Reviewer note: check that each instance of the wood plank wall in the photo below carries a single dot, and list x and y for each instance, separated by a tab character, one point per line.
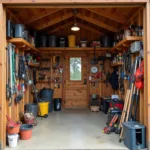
101	88
2	77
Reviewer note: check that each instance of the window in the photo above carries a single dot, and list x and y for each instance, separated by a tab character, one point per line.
75	68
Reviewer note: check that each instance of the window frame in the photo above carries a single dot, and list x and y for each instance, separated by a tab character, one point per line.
81	69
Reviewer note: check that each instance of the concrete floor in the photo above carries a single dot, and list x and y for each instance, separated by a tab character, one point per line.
71	129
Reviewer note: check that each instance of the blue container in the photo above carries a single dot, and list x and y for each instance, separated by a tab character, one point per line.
134	135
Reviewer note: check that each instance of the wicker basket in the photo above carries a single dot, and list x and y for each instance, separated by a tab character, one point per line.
94	108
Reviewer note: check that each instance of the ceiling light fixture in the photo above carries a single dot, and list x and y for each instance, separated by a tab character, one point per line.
75	27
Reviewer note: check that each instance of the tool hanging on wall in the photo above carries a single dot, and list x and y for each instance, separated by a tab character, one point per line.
19	93
55	61
139	76
94	60
127	61
34	76
10	87
56	82
121	81
61	72
8	92
22	69
16	64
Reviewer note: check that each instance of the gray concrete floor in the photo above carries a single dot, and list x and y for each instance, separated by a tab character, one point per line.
71	129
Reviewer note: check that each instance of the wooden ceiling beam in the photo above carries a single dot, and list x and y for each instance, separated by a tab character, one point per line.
97	23
13	16
42	15
60	27
89	28
129	19
108	15
54	21
89	4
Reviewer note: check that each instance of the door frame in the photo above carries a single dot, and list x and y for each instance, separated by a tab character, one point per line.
68	55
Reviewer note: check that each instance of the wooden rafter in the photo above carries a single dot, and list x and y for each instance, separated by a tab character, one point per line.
136	13
108	15
13	16
54	21
87	27
96	22
60	27
90	28
42	15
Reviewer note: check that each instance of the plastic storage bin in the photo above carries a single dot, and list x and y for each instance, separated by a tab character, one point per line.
134	135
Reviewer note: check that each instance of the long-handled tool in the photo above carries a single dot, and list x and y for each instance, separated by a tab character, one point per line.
8	94
132	103
136	103
10	87
129	100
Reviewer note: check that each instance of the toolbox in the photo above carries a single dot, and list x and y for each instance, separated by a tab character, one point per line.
117	103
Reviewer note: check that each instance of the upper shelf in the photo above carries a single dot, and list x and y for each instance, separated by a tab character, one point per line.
117	64
21	43
126	42
73	49
33	64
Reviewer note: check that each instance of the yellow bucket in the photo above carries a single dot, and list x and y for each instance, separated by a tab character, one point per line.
71	40
43	108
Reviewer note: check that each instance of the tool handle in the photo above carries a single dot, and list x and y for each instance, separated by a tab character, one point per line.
136	104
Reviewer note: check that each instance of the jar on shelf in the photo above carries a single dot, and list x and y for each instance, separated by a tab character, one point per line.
127	32
140	31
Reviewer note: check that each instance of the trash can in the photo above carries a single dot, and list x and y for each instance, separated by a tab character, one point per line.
43	108
57	104
47	94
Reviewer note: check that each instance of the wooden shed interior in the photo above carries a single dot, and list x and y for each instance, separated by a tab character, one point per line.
95	23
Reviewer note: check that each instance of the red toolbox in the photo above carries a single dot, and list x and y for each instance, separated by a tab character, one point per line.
116	104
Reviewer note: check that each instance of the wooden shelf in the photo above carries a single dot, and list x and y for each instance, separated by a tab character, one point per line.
43	82
97	80
33	64
48	82
73	49
117	64
126	42
21	43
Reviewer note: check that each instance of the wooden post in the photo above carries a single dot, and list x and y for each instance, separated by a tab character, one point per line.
146	100
2	77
